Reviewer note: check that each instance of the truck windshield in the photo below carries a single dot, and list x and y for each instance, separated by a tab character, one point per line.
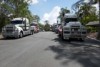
17	22
33	24
70	19
67	20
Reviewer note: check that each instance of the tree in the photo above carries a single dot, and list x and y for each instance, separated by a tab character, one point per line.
41	26
63	12
36	18
85	11
14	8
5	10
47	26
98	37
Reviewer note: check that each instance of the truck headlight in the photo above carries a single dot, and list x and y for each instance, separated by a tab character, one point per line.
16	29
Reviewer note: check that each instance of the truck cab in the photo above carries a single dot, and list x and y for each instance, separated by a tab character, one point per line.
72	28
18	28
35	27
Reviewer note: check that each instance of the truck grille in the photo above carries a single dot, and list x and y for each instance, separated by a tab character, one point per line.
83	32
9	29
66	32
75	30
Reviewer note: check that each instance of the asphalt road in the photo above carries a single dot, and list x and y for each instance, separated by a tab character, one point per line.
46	49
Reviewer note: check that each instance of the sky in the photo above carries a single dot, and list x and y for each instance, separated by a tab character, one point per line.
49	9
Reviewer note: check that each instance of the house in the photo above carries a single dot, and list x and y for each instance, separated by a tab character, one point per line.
93	24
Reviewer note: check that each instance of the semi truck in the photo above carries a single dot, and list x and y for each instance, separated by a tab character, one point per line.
72	28
17	28
35	27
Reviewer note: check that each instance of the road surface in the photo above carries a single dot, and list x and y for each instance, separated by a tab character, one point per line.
46	49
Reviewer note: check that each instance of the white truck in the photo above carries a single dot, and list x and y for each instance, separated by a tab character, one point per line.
18	28
72	28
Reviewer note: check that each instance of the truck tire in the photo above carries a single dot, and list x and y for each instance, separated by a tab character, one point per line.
81	39
31	32
17	37
21	35
5	37
62	37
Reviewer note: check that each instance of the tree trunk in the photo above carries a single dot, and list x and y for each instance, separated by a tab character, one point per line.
98	37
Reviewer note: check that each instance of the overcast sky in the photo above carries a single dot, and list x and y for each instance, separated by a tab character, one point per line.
49	9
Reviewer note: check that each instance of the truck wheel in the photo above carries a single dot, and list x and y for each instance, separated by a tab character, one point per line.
31	32
81	39
17	37
69	40
5	37
21	35
62	38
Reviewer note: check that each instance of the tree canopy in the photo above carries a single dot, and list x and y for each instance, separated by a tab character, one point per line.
85	11
14	8
63	12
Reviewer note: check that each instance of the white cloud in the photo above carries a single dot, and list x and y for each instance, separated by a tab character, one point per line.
52	16
97	6
46	17
87	1
34	2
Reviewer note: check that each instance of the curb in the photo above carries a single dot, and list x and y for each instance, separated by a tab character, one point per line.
93	39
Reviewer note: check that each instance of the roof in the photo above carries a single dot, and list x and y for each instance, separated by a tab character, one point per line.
93	23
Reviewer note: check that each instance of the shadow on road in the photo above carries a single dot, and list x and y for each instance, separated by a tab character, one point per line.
7	39
86	53
13	38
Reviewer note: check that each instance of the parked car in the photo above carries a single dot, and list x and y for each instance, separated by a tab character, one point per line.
60	30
